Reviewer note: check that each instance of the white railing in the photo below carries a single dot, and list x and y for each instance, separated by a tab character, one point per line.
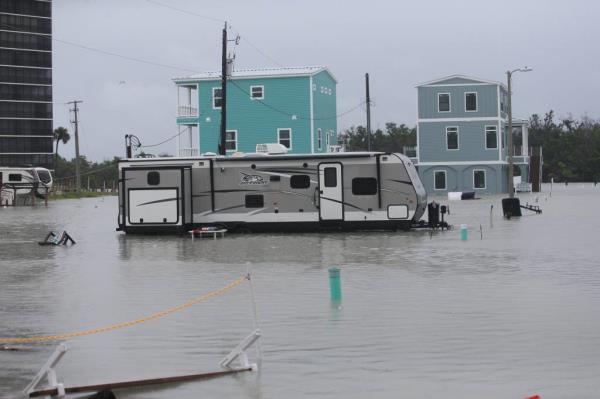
187	111
410	151
188	152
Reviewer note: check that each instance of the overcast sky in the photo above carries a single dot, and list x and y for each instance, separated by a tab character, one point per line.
399	43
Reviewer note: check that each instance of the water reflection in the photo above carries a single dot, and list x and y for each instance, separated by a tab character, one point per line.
423	314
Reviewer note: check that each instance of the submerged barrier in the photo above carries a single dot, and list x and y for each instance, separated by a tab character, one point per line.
154	316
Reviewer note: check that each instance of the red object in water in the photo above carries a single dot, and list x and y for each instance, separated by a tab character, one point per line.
534	397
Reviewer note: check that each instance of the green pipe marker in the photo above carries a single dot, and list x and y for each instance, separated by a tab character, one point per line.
335	285
464	232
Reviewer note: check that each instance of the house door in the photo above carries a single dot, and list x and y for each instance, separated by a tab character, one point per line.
331	205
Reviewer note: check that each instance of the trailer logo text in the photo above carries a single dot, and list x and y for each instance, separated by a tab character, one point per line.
253	180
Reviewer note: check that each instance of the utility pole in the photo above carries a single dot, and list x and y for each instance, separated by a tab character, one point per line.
368	113
75	121
222	150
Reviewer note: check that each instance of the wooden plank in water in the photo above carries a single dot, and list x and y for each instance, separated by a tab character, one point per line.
135	383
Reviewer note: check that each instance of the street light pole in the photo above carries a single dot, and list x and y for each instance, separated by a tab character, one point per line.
511	189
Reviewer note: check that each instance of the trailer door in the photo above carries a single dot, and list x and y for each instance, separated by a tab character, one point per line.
331	197
157	195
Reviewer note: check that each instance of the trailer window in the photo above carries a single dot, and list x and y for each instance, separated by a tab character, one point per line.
300	181
364	186
15	177
330	177
44	176
153	178
255	201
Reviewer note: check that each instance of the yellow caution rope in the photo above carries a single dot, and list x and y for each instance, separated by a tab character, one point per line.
118	326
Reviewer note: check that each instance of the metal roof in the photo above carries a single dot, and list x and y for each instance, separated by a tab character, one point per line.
258	73
439	81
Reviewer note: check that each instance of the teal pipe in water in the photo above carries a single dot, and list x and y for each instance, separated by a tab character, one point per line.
464	232
335	285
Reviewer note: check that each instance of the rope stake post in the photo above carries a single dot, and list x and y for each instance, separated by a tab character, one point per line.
56	389
239	352
48	370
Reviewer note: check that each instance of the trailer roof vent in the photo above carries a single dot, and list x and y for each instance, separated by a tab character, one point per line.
271	149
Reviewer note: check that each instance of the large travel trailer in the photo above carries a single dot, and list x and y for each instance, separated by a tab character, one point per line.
260	192
24	181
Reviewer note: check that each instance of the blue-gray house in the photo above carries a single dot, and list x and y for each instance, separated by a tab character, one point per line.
461	136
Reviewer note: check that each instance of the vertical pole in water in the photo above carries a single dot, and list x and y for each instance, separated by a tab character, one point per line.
464	233
335	286
491	217
254	313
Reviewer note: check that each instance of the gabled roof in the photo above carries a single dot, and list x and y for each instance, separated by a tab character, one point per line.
258	73
457	80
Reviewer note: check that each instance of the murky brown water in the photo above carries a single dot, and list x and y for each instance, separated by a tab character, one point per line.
509	315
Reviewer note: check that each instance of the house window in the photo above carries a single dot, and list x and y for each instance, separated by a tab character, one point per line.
439	180
284	136
217	97
491	137
443	102
470	102
364	186
452	138
257	92
299	181
479	178
153	178
231	140
319	138
255	201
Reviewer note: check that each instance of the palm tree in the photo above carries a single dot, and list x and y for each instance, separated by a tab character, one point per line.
60	134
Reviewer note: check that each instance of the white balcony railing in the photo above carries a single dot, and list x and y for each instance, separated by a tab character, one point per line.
187	111
188	152
410	151
336	148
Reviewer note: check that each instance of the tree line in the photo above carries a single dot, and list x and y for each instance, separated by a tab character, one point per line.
571	150
570	147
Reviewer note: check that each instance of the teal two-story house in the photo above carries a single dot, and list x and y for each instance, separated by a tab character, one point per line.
462	139
295	107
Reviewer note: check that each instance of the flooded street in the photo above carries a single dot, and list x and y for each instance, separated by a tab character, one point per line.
508	315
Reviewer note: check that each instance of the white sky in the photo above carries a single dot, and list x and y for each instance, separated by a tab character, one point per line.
399	43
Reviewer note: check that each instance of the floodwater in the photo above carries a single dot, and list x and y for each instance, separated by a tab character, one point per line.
512	312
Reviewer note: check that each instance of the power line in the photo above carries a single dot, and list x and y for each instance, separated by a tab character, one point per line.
181	10
294	115
186	11
259	50
164	141
122	56
97	50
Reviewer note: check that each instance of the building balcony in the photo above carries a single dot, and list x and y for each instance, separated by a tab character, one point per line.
188	152
519	156
187	111
410	151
